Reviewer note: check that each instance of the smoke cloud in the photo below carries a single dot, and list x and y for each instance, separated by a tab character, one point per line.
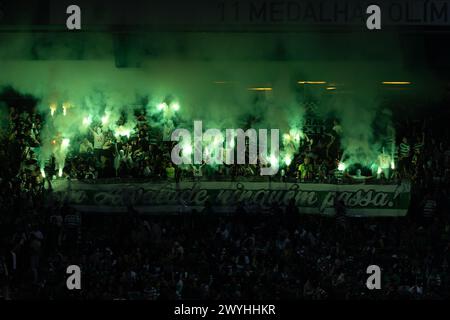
211	76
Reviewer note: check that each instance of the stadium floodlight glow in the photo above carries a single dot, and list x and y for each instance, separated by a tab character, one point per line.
260	89
162	106
396	82
175	106
341	166
311	82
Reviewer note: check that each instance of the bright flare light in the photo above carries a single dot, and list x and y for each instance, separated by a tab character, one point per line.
187	150
392	165
105	119
296	134
341	166
379	170
162	106
286	137
273	161
175	106
87	121
60	172
287	160
122	132
52	109
65	143
42	172
64	107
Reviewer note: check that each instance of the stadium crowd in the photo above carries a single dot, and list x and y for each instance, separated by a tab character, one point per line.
144	153
281	255
237	256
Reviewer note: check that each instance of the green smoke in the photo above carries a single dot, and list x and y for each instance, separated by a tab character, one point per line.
207	76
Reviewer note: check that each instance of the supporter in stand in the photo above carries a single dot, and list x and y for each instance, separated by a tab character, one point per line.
212	256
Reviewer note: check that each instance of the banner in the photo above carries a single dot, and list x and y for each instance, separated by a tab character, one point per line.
167	197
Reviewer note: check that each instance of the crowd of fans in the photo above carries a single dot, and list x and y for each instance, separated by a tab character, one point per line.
281	255
241	255
145	152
